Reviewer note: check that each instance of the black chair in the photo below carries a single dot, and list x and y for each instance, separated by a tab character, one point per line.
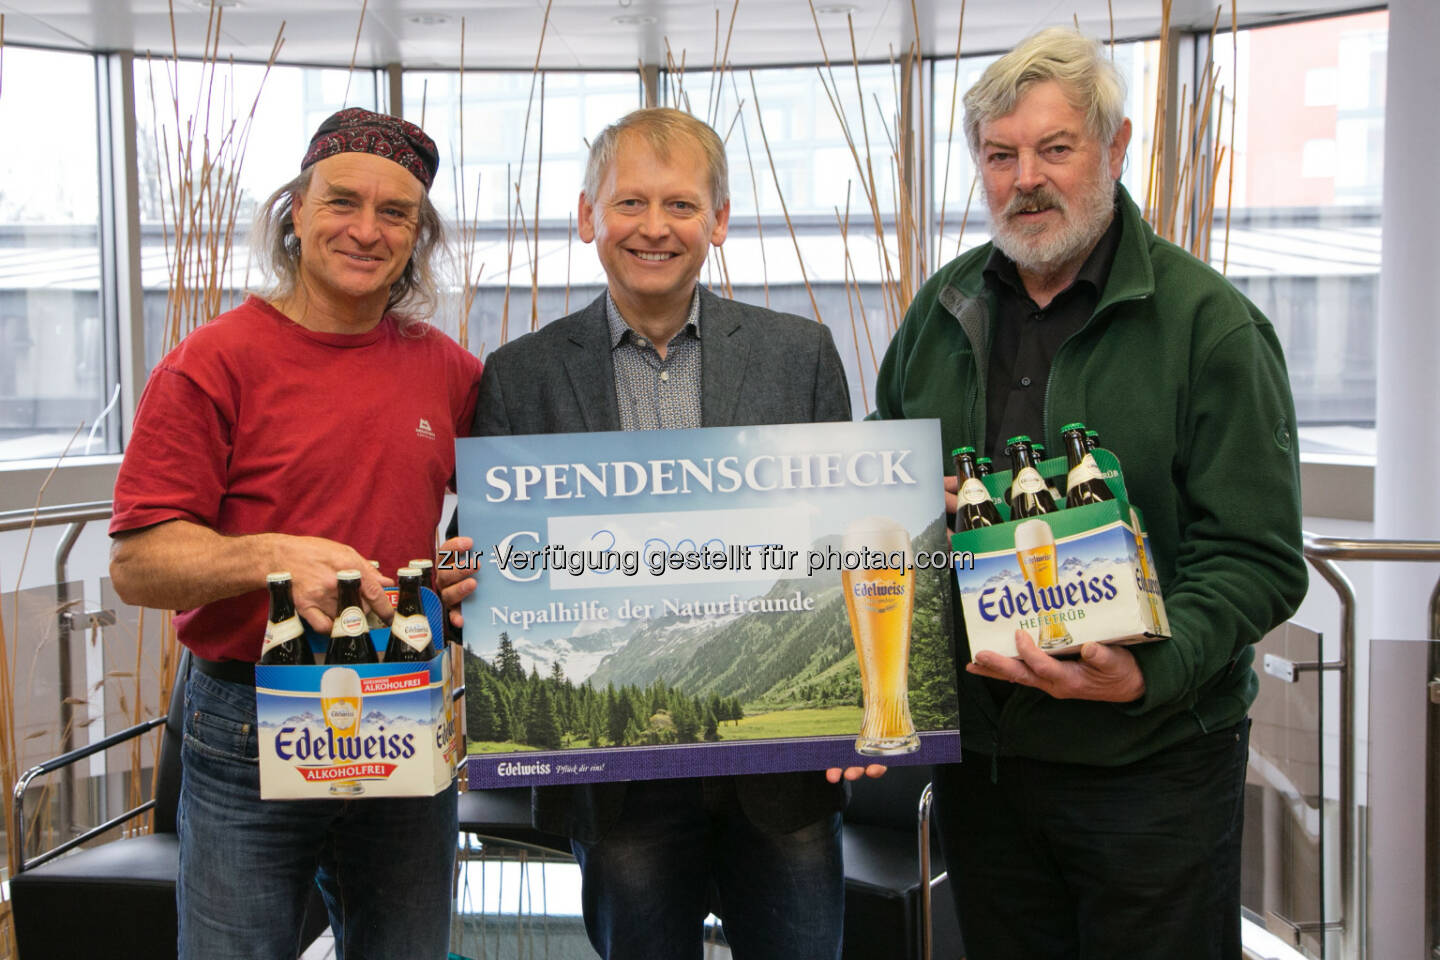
503	816
896	906
116	899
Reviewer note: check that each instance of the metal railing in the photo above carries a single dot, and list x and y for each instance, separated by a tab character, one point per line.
76	515
1322	553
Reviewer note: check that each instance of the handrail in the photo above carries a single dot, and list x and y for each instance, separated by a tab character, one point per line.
922	834
51	515
1322	552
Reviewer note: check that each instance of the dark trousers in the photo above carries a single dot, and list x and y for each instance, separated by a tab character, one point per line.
1054	860
646	884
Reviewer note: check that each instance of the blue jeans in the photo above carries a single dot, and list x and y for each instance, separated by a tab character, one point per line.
1057	860
646	884
384	866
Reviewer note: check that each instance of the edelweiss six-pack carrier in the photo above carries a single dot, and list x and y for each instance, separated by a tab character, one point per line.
357	730
1071	577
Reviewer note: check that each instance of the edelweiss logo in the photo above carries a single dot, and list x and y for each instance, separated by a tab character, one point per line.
424	430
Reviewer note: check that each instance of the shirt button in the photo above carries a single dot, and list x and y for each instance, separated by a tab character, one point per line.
1024	381
641	342
1035	315
664	374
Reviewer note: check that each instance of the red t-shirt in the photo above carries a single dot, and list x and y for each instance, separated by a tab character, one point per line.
255	424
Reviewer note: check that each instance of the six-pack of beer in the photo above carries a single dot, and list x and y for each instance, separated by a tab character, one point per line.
1055	548
337	720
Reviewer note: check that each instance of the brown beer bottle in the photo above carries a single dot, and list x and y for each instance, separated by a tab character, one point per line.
410	636
983	467
1092	440
1029	496
1083	484
350	634
285	644
976	508
427	574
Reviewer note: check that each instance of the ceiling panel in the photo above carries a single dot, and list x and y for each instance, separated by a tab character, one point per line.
597	34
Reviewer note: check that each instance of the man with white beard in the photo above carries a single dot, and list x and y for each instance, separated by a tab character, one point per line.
1097	811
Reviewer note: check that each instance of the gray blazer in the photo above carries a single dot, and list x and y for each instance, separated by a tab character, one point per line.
757	367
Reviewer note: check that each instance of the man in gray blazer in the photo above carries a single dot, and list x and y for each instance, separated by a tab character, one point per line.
658	351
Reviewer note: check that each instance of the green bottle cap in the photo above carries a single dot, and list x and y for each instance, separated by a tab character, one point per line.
959	450
1072	426
1022	438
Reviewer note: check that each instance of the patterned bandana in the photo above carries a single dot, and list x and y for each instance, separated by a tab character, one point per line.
354	130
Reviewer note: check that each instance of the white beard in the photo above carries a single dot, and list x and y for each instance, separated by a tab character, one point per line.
1043	249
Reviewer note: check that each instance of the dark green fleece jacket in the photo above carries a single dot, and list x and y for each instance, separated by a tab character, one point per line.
1185	382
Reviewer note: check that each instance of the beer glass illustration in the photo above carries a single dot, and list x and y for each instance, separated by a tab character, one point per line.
1035	549
880	604
340	703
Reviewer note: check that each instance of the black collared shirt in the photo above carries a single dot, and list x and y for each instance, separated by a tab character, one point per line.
1026	338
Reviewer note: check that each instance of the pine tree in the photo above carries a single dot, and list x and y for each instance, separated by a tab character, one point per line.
617	716
542	730
481	715
712	726
508	660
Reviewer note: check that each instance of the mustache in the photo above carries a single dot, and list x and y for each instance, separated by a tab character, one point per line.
1037	199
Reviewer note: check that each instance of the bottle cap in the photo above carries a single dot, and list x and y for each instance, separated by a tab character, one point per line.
280	577
347	575
959	450
1072	426
407	572
422	564
1022	438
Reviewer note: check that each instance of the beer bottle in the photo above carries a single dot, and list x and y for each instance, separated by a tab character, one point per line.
410	637
1083	484
372	619
285	644
1092	440
427	574
1038	450
976	508
350	636
1029	496
984	466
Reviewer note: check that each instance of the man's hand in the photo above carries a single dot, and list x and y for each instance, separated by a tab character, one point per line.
952	496
1102	673
455	582
313	563
855	773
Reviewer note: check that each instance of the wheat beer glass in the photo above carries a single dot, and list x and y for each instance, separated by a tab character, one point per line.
1035	549
880	603
340	703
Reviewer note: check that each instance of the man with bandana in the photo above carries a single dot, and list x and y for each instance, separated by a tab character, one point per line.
1097	810
311	429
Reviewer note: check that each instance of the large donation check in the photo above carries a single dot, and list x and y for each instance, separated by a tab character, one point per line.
698	602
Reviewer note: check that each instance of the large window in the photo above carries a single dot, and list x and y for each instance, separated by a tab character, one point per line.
1300	234
523	271
57	352
810	142
202	100
1304	230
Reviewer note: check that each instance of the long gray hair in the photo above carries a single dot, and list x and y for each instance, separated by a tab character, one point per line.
413	297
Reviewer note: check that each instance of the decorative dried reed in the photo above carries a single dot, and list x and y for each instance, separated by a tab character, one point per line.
10	757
